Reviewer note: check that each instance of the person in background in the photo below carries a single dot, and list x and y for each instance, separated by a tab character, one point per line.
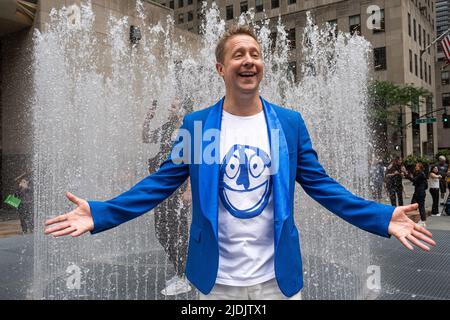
25	212
435	179
443	168
171	216
394	186
420	183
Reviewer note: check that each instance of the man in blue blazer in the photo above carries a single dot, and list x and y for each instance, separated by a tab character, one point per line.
243	156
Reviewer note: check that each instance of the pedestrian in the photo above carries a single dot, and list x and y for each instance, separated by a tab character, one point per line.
243	156
443	168
24	210
394	186
435	178
171	216
420	183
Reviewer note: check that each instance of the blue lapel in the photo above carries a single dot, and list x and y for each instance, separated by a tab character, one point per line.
209	173
280	191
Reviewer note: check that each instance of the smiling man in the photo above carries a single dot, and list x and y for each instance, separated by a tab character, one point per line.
243	240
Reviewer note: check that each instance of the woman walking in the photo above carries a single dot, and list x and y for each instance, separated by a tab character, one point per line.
435	178
420	183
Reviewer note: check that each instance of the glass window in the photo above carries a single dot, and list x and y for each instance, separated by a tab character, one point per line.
446	99
414	30
409	24
181	18
380	58
275	4
230	14
444	78
190	16
259	5
190	2
172	4
416	71
292	1
410	62
355	24
244	6
180	3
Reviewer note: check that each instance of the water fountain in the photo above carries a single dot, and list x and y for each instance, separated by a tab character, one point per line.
91	97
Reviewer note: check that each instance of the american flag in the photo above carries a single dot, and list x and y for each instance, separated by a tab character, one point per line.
445	44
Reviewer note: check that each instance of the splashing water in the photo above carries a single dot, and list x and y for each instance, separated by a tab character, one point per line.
90	101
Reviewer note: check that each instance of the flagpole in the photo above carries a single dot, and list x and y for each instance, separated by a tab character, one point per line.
434	41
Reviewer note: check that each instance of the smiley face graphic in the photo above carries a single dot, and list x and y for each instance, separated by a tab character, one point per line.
245	182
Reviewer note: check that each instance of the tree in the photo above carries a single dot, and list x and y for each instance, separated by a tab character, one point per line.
386	100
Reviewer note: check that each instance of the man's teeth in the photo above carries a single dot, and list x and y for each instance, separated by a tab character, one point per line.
246	74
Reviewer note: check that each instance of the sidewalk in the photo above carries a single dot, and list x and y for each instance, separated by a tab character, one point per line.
416	275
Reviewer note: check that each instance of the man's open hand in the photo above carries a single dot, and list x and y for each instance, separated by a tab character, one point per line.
406	230
75	222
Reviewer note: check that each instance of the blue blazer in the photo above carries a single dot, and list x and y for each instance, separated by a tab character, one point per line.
297	162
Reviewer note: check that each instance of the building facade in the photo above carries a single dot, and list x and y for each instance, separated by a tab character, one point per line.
442	74
406	27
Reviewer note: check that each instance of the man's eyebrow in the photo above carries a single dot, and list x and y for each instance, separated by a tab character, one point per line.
240	49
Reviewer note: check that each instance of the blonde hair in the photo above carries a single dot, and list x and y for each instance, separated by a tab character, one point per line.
232	31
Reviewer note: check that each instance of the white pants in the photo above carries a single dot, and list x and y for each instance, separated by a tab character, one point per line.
268	290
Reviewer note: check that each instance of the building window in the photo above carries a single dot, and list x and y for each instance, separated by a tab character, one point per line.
409	24
414	30
379	58
259	5
180	3
172	4
420	37
230	14
190	2
355	24
425	71
181	18
429	74
444	78
291	38
446	99
382	26
275	4
244	6
424	39
190	16
428	43
421	74
292	1
415	65
410	62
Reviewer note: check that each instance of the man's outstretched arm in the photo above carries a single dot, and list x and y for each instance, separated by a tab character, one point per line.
380	219
97	216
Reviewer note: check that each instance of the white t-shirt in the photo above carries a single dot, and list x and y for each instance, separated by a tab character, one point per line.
245	221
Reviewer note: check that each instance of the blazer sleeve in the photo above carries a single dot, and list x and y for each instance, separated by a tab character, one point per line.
143	196
367	215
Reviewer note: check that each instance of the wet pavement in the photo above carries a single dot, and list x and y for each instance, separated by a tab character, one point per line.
404	274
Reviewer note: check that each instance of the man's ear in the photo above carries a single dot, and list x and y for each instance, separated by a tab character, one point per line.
219	68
